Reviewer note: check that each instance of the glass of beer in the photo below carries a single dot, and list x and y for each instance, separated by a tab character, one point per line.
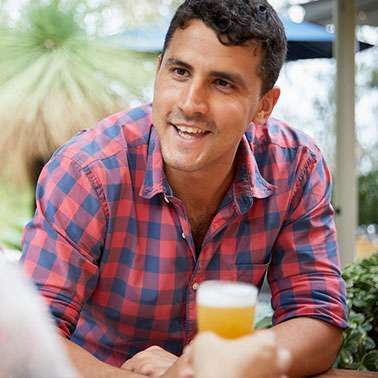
226	308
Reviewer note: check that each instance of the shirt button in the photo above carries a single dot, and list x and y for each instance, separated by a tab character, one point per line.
183	236
166	199
195	286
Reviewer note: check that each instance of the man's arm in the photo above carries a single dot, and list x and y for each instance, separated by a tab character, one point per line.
308	292
152	362
313	344
89	366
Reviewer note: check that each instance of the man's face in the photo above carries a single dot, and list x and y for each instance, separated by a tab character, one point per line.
205	96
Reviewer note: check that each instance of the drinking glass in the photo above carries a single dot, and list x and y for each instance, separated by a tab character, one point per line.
226	308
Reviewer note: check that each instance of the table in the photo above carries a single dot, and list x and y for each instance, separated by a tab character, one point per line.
341	373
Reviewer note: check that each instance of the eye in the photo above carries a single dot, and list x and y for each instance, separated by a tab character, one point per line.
223	83
180	71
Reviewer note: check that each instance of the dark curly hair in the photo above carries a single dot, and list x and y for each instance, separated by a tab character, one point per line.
239	22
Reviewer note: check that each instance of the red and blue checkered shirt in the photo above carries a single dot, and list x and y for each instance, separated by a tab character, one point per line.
110	246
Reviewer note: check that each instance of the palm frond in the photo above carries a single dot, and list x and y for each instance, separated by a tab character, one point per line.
55	81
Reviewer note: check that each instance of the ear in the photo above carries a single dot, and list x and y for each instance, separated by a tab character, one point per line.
159	63
266	106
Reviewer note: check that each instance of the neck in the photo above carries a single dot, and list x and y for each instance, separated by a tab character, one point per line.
201	188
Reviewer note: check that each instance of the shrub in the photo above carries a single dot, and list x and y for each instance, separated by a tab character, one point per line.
358	351
368	198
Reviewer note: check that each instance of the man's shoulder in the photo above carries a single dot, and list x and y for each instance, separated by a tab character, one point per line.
278	133
118	132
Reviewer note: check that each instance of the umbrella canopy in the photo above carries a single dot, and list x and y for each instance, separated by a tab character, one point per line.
321	12
305	40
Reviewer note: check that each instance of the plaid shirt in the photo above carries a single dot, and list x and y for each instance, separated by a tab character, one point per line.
111	250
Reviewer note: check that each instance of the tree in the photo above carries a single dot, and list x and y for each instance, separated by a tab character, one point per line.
56	79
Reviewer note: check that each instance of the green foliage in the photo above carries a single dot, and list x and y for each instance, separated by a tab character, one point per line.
12	238
265	322
16	211
358	351
374	79
56	79
53	21
368	198
264	313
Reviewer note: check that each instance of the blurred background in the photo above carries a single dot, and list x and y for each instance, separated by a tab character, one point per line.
63	67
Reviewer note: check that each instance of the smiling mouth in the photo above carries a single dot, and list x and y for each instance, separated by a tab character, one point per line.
190	132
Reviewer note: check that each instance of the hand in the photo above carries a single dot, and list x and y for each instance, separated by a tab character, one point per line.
152	362
252	356
180	369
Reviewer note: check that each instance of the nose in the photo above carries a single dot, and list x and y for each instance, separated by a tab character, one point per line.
194	98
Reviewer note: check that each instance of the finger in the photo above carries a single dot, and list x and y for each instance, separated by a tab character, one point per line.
180	369
128	365
185	370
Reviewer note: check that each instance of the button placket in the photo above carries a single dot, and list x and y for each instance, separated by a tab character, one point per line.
185	228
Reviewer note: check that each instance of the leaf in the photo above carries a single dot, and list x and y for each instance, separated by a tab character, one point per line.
367	326
353	347
355	336
359	303
345	358
368	342
356	317
370	360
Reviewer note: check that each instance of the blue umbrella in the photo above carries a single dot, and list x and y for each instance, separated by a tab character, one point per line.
305	40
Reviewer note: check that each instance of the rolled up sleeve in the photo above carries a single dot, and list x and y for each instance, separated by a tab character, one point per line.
304	275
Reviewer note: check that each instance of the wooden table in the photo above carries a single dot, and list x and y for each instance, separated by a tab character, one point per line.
341	373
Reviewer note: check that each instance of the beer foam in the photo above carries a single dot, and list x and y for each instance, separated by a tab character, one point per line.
226	294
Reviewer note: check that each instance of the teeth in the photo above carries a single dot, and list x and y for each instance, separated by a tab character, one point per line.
185	136
191	130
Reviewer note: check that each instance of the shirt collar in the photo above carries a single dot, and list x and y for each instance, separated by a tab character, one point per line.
248	183
154	178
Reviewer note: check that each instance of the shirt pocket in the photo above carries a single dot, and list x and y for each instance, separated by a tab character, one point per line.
249	273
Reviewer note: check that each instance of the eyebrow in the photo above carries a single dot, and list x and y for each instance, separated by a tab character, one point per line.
177	62
233	77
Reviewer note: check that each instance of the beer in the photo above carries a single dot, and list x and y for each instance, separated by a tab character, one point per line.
226	308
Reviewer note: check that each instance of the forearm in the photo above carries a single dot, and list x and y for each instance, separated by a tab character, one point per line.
89	366
313	344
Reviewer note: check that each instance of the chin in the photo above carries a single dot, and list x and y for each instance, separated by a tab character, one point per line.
181	165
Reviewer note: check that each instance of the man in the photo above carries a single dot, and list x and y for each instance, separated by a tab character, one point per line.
133	214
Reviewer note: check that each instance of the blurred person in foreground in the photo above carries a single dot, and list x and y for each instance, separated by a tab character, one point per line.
201	184
29	341
252	356
31	347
